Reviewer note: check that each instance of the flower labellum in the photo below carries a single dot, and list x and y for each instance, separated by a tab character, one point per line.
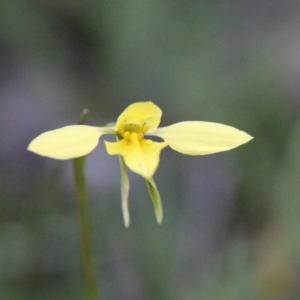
134	146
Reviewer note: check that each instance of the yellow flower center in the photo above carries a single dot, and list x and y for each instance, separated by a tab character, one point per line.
134	133
131	127
128	128
133	137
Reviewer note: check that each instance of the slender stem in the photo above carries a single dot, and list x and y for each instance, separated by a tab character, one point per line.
85	232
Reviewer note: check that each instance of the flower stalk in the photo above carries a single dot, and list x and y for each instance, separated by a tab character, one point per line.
85	228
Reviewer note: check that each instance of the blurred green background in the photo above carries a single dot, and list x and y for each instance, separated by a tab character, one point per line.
232	220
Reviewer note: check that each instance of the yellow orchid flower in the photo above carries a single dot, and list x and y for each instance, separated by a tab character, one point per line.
139	153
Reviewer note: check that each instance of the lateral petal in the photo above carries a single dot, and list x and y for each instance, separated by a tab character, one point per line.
140	113
67	142
156	200
125	187
140	156
199	138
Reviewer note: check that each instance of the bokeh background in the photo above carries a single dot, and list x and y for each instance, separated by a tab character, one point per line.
232	220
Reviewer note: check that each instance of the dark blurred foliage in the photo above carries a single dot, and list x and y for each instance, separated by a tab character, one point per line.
231	220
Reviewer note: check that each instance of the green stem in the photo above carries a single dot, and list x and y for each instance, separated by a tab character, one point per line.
85	232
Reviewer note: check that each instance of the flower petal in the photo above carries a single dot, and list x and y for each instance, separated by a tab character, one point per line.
156	200
140	156
199	138
125	186
140	113
67	142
